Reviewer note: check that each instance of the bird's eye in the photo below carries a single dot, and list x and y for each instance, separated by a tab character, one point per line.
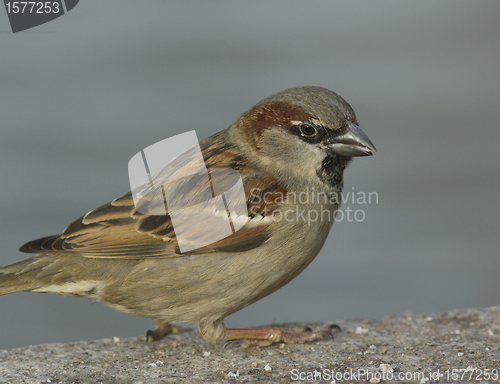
307	130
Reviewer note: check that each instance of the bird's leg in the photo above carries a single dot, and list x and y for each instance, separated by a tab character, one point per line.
163	329
262	337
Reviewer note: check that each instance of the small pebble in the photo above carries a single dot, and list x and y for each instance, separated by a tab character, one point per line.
268	368
234	374
371	349
385	368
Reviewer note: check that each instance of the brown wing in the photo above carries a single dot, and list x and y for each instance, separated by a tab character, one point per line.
118	230
115	229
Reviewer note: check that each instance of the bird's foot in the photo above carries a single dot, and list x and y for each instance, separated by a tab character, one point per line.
163	329
263	337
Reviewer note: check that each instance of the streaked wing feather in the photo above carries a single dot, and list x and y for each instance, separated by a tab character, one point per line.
118	230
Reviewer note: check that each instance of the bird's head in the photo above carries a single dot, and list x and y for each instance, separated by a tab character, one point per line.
305	134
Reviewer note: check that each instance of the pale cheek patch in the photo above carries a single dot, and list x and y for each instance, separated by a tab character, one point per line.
288	153
81	288
312	159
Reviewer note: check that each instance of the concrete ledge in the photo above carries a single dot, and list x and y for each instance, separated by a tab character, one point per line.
415	347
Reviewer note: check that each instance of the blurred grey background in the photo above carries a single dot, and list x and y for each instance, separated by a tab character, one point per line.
81	95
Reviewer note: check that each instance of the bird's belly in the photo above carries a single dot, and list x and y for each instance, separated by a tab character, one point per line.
212	286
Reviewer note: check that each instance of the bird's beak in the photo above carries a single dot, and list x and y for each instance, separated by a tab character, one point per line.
354	142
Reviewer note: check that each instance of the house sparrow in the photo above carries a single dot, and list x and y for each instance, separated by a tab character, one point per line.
300	139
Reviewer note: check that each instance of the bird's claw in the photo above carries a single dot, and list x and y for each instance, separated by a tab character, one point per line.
289	337
163	331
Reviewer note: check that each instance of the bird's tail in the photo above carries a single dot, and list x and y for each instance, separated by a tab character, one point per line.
25	275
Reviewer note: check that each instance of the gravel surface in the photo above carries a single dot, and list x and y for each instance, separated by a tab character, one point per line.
457	346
